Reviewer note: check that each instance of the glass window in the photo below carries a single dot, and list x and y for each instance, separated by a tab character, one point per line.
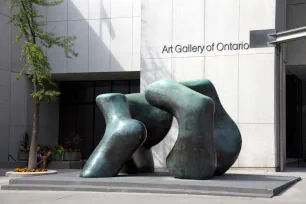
79	113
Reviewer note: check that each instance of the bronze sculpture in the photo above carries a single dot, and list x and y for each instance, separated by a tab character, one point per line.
209	141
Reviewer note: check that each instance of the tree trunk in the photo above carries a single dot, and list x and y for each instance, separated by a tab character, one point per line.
34	140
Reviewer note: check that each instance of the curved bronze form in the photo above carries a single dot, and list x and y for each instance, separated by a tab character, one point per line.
208	144
157	123
123	136
193	155
226	133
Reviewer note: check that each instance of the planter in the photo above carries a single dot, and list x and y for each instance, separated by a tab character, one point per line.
23	156
72	156
29	174
57	157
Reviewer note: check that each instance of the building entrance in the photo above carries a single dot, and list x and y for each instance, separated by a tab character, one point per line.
289	117
79	115
295	137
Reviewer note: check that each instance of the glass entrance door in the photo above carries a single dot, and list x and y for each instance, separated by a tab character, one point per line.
79	114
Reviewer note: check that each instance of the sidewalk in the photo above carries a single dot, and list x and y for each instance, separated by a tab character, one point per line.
296	194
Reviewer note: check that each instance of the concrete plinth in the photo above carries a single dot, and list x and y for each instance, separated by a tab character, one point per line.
227	185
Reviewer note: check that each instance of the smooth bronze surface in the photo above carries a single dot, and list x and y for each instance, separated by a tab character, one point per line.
208	144
226	133
157	123
193	155
123	136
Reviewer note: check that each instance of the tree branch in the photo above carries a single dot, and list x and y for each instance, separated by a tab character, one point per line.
28	21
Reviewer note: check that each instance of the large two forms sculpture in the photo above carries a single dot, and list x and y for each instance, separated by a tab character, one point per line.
208	144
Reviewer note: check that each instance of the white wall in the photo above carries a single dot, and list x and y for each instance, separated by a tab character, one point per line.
108	40
5	84
12	92
243	79
107	31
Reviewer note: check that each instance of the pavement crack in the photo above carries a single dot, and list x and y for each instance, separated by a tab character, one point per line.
64	197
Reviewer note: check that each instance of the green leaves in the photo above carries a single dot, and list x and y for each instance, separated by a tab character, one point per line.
37	68
47	3
66	42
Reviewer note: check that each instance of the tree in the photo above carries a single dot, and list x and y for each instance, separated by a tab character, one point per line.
37	68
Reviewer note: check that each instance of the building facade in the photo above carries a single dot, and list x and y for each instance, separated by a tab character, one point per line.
123	41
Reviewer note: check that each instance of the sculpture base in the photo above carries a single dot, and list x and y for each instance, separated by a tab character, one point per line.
227	185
